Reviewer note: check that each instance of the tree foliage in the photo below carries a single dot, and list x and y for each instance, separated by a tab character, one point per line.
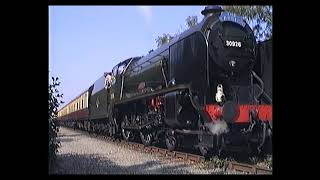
258	17
164	39
191	21
54	103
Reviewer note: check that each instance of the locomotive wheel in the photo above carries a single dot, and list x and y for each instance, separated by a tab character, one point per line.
125	133
171	142
146	138
110	129
205	151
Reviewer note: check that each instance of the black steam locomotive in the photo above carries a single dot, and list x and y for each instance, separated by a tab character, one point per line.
199	90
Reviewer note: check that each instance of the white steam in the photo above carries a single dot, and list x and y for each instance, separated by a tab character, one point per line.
218	127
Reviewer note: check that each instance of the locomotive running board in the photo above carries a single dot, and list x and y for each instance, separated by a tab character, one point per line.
139	127
195	132
178	87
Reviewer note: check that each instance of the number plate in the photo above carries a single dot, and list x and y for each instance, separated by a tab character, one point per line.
233	43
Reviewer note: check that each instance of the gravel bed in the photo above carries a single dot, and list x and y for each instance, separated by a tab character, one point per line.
80	153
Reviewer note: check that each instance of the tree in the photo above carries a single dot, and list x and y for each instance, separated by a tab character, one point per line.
165	38
191	21
54	103
259	17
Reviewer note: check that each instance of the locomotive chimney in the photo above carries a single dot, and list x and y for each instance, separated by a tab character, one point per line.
214	10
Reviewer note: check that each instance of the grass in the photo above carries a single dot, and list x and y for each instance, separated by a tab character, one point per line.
263	162
215	162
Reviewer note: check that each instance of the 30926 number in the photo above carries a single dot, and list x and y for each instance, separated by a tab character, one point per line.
233	43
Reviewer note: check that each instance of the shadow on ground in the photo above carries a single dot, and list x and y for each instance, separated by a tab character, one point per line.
94	164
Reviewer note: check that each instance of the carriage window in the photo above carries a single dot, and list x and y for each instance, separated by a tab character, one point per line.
85	100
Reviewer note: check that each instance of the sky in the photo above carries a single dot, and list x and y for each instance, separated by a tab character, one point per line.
86	41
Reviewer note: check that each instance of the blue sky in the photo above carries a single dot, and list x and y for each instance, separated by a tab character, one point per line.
86	41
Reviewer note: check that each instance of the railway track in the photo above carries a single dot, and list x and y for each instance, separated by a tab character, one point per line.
182	156
247	168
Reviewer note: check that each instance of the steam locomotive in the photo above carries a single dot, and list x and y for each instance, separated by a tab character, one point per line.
199	90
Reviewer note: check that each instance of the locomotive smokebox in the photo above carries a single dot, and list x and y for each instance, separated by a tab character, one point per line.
212	11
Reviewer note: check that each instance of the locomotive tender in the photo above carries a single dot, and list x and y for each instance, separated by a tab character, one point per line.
199	90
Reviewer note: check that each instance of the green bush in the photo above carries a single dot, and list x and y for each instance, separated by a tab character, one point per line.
53	127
